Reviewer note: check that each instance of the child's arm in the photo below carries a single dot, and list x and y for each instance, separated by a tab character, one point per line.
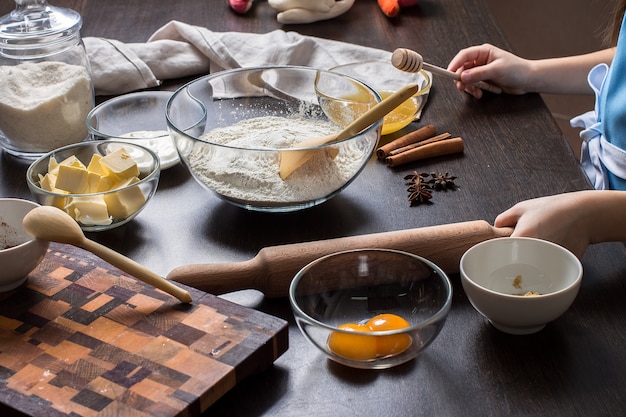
574	220
516	75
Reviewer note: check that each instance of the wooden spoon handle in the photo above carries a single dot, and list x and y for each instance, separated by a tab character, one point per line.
273	268
293	159
137	270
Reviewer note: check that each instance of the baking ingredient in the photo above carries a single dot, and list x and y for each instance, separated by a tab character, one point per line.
158	141
416	136
357	345
361	346
399	117
420	187
390	344
115	171
43	106
251	175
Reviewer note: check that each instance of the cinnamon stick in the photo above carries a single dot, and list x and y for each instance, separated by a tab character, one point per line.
420	143
440	148
418	135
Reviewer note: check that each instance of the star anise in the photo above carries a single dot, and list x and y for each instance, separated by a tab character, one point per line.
419	188
415	178
419	195
442	181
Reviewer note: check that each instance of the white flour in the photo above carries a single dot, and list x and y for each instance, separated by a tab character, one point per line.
43	106
253	176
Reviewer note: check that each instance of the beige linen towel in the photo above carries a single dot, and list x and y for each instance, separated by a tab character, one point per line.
180	50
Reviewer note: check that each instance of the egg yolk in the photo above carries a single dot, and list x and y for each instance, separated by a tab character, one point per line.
358	347
394	343
362	347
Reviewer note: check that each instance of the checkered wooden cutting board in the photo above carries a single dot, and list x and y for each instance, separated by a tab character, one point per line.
81	338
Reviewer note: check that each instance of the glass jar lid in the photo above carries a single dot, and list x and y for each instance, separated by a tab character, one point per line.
35	23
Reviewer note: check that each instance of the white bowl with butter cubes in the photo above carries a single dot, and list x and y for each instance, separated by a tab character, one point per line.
101	184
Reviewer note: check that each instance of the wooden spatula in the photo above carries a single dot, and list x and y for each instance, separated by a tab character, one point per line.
293	159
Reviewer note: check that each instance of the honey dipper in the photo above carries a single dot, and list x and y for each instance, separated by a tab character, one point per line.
410	61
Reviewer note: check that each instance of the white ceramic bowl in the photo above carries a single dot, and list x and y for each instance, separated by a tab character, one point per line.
371	286
20	253
255	116
520	284
138	118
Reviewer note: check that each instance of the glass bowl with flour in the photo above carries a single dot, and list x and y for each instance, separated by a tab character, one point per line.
46	89
254	116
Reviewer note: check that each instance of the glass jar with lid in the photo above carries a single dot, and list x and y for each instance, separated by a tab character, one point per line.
47	88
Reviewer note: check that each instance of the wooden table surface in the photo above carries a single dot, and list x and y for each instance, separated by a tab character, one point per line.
514	151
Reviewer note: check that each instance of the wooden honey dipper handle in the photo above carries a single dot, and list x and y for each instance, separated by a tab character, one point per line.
273	268
410	61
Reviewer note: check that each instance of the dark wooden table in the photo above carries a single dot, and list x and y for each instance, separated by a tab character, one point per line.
514	151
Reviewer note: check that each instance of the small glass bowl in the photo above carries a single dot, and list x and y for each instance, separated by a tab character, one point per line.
387	79
358	285
149	172
137	118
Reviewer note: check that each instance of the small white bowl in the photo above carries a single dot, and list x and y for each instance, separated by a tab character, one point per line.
20	253
503	276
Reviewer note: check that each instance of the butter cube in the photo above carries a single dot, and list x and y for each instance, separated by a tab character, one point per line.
73	179
89	210
72	161
95	166
47	182
99	183
120	164
52	165
123	203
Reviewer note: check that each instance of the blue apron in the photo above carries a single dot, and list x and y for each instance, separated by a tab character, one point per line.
603	152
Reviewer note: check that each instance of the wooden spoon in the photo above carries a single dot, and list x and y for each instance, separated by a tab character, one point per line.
410	61
52	224
292	160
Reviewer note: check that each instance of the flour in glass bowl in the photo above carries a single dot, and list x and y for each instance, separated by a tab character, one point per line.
253	176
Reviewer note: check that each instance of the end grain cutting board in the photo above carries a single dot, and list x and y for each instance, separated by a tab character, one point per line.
81	338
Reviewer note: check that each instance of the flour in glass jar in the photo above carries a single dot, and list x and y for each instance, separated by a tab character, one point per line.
253	176
43	106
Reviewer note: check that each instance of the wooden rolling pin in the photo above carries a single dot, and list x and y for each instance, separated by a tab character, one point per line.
273	268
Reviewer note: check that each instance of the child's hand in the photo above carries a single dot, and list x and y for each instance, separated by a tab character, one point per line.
491	64
561	218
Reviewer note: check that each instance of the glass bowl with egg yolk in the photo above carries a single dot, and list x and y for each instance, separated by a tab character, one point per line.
371	308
